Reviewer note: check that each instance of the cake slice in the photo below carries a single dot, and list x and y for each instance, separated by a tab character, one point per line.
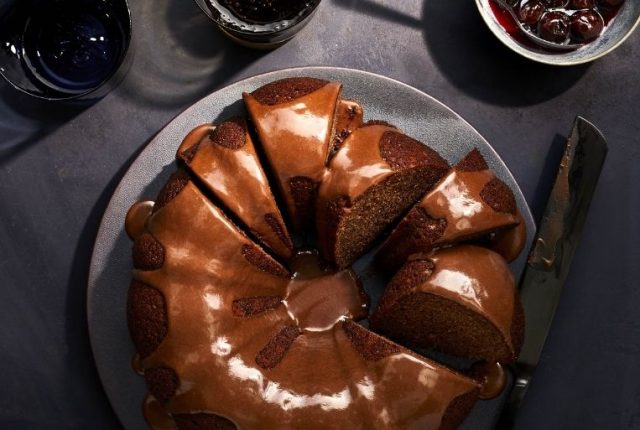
460	301
377	175
294	120
224	159
468	203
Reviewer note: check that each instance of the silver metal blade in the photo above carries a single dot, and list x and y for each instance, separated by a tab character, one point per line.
553	249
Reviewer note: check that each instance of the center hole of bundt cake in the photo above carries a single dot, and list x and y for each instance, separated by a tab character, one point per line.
318	298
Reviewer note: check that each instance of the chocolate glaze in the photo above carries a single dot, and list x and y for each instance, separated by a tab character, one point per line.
156	415
232	172
348	118
214	353
492	378
476	278
457	199
509	242
296	137
357	166
137	216
456	203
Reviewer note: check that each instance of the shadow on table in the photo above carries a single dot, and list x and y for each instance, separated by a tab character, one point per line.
76	318
470	57
473	59
25	120
189	57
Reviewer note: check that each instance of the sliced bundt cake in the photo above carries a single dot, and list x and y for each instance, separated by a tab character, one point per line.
375	177
294	119
224	159
461	301
228	340
468	203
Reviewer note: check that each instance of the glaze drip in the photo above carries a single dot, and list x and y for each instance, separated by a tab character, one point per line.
492	377
457	199
137	217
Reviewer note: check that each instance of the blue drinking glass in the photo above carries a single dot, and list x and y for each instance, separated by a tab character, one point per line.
64	49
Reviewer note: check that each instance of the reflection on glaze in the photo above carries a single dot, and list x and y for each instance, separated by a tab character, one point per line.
236	177
297	121
214	352
478	278
357	166
287	400
458	282
457	200
319	304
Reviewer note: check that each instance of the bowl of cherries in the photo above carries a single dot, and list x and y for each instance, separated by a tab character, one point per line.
561	32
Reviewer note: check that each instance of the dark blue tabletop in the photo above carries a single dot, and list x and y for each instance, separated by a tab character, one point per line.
59	166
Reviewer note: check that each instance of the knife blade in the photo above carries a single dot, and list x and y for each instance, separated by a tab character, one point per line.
552	251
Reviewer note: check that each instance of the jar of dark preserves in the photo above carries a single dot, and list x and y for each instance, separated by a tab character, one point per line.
260	23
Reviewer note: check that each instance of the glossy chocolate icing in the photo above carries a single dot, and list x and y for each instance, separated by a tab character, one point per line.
476	278
296	137
357	166
509	242
457	200
492	377
136	219
320	381
235	176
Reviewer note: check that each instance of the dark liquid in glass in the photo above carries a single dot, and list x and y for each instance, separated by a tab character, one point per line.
264	11
72	46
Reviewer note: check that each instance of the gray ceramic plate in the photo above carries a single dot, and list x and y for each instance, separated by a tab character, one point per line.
418	114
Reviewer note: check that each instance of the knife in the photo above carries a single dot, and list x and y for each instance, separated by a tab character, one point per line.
552	251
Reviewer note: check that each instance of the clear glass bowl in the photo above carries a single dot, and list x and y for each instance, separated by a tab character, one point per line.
23	73
261	36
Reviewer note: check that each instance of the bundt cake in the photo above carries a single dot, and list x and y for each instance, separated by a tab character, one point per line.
228	337
461	301
375	177
224	159
468	203
218	323
294	119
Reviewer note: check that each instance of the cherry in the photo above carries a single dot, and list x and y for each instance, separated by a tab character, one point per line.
583	4
555	3
586	25
531	12
554	26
